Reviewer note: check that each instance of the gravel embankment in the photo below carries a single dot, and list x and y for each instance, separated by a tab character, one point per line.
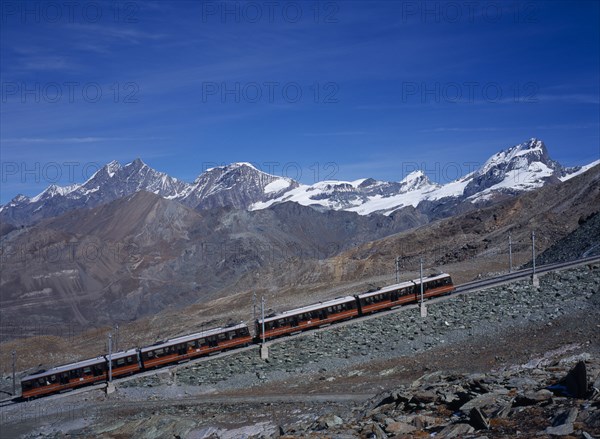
452	321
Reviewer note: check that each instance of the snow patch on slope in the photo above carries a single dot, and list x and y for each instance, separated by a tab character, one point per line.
580	171
277	186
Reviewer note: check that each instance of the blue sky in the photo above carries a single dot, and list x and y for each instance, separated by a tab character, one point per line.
338	89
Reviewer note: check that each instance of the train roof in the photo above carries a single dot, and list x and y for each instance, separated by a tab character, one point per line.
122	354
402	285
309	308
65	368
190	337
387	289
434	277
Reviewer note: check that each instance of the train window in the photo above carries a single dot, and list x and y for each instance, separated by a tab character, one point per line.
158	352
87	370
41	382
120	362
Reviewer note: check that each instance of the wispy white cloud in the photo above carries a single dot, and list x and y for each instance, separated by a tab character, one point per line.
336	133
71	140
459	129
572	98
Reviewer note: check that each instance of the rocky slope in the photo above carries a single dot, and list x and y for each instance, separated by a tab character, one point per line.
142	254
583	241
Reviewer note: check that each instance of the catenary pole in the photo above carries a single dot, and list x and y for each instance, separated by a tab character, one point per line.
262	313
110	358
510	261
533	249
14	357
421	277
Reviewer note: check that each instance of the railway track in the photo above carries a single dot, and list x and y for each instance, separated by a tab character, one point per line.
523	274
465	288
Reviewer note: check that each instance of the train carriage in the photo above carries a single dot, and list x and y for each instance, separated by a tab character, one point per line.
125	363
388	297
195	345
405	292
307	317
65	377
436	285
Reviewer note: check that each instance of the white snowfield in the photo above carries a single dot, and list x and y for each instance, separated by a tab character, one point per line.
518	169
580	171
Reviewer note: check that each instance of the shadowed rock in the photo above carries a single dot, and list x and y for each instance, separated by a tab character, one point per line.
574	384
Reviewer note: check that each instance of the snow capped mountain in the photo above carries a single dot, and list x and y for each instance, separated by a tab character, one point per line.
237	185
116	181
109	183
241	185
520	168
363	196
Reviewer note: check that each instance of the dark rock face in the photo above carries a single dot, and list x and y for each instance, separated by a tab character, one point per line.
583	241
574	385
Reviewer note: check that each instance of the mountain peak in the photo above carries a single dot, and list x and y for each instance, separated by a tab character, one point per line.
242	164
415	180
232	167
136	164
112	168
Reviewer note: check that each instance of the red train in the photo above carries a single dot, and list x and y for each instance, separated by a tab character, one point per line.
187	347
344	308
95	370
